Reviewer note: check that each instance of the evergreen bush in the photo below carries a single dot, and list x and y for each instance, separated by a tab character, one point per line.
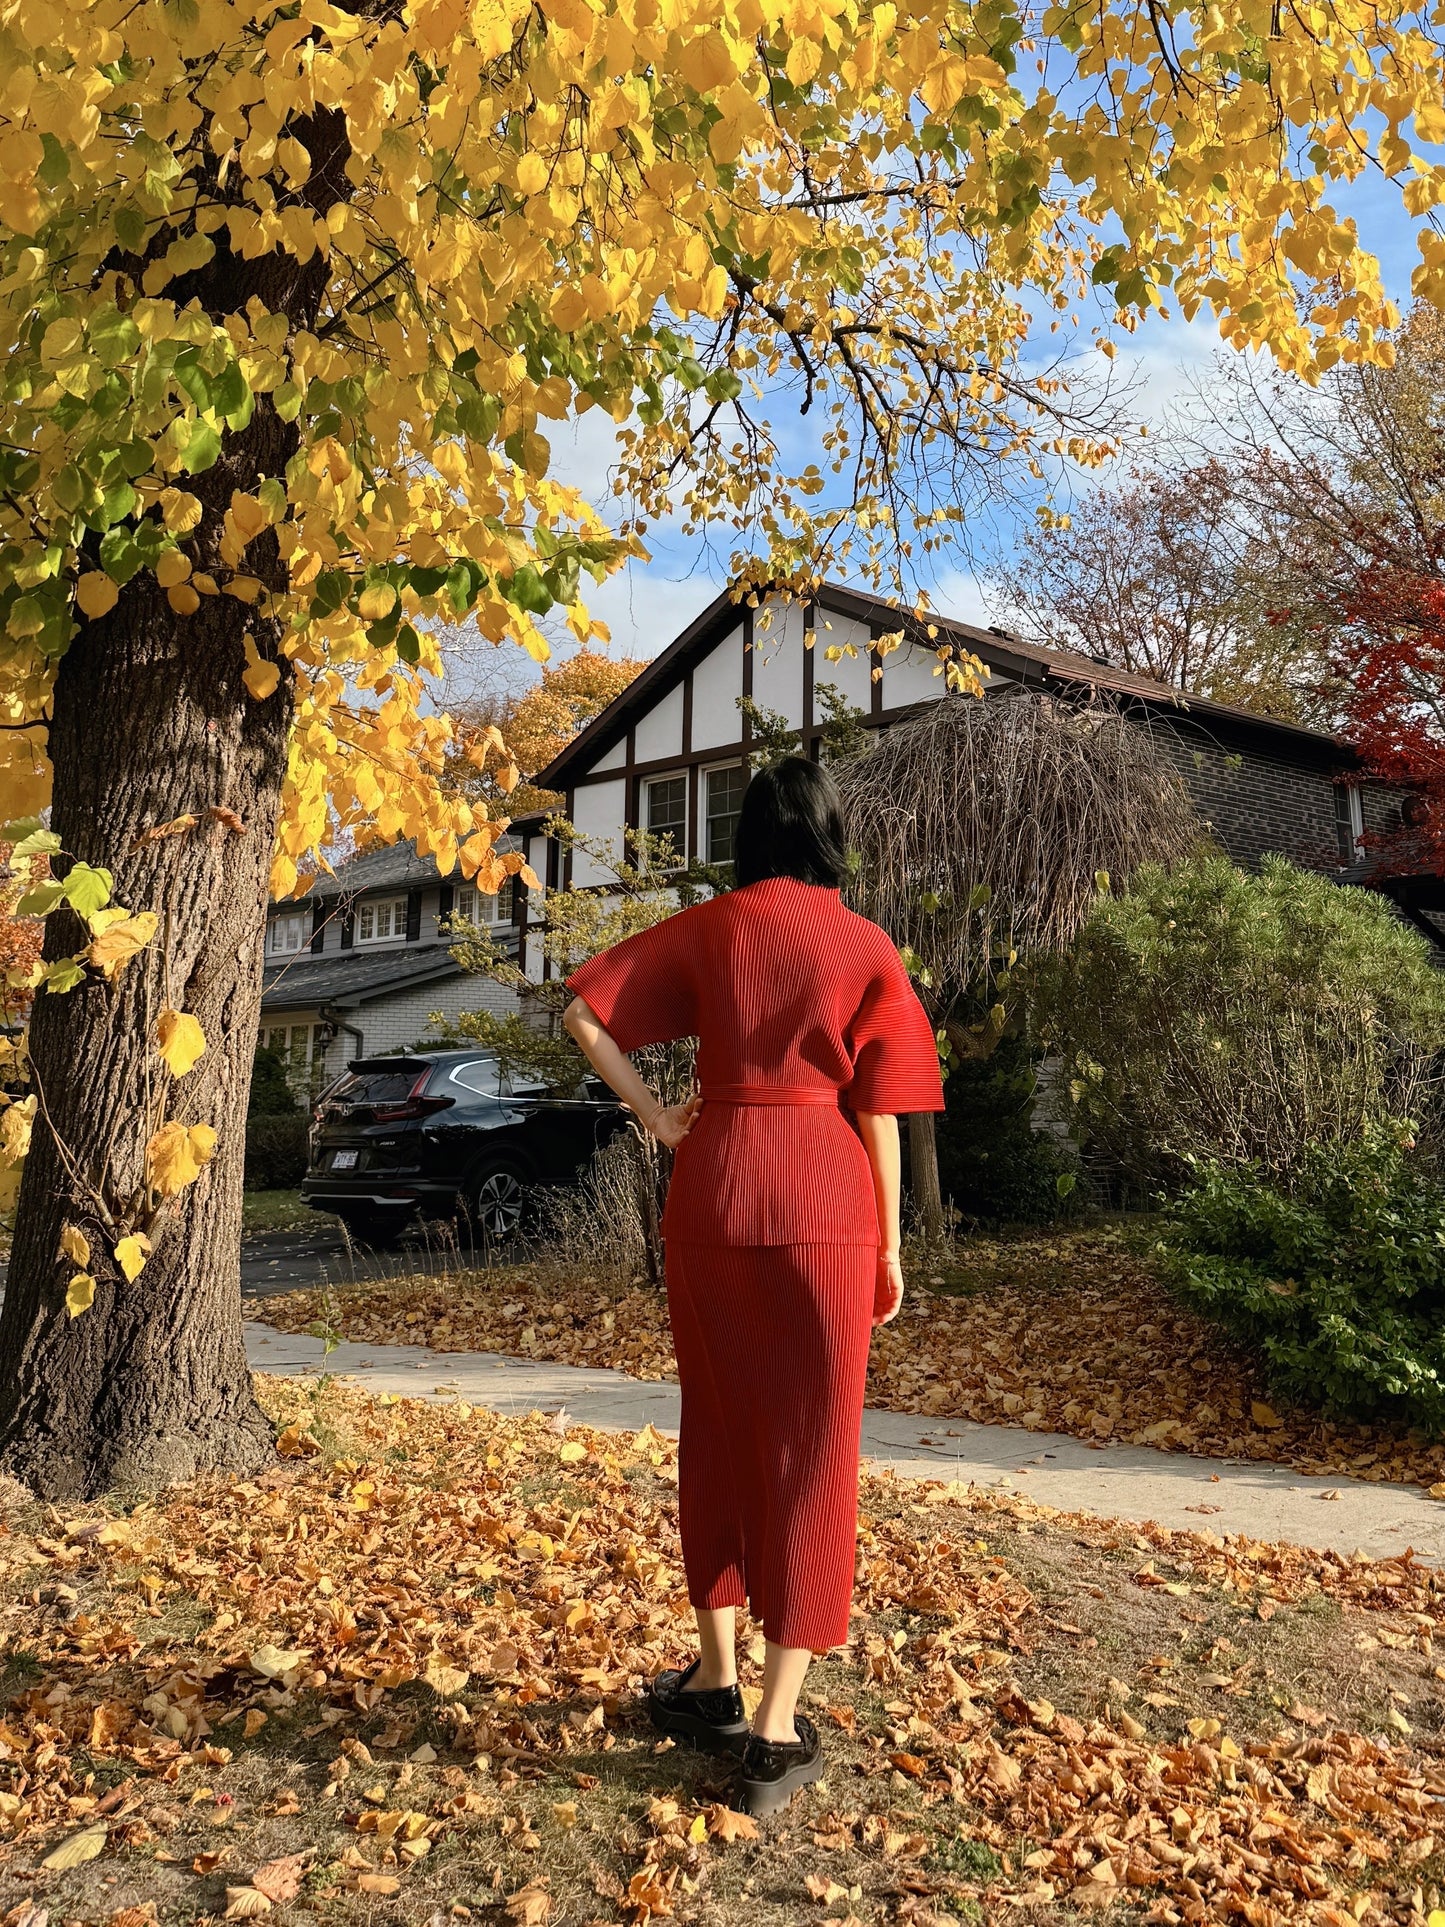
993	1166
1338	1283
1215	1017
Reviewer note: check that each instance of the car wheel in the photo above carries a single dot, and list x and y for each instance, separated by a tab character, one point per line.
495	1205
379	1229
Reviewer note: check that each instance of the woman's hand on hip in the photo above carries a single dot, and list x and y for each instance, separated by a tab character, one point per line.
671	1124
888	1288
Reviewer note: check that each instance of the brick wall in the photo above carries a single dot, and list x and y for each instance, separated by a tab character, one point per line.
403	1019
1257	804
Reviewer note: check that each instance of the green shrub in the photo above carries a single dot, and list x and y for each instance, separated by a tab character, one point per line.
1217	1017
1337	1283
275	1152
992	1164
271	1092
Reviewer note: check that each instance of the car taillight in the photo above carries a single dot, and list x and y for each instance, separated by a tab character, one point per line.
412	1105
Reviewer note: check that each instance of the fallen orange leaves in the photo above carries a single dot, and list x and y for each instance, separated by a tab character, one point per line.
1069	1333
555	1591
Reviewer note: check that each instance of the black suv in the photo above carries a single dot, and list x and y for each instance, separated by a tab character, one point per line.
443	1133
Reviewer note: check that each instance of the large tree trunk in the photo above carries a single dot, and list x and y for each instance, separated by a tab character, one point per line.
152	722
149	1385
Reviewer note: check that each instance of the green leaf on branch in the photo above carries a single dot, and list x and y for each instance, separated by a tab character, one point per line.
87	889
113	337
203	447
528	591
40	901
120	554
65	975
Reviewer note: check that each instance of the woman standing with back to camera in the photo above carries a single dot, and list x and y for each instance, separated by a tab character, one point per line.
782	1241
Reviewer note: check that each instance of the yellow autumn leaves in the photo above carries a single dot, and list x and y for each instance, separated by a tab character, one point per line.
180	1041
175	1155
174	1158
131	1253
877	195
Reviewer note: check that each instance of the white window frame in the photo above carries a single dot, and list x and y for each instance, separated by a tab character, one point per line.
472	905
284	926
679	832
705	776
368	912
1357	818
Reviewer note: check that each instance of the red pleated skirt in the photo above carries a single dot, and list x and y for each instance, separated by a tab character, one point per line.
772	1353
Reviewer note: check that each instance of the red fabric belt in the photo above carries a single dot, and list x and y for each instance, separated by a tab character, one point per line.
770	1094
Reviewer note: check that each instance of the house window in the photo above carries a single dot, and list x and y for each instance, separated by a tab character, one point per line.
285	936
724	799
1349	823
667	811
476	906
381	922
292	1041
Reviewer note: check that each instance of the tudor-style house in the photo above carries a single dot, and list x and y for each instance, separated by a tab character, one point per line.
362	962
360	965
670	754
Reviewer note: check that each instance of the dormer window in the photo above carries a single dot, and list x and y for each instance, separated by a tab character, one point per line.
381	920
286	935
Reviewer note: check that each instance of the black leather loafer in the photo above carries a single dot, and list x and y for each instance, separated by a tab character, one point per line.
773	1770
714	1719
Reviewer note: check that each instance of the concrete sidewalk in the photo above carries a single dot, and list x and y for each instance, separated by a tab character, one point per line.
1116	1481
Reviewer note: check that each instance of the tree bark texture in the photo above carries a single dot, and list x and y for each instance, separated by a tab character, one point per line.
151	721
150	1384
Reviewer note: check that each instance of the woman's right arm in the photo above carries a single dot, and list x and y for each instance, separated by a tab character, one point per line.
879	1133
669	1123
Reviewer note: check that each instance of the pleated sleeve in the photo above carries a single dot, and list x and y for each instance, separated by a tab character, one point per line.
895	1058
644	988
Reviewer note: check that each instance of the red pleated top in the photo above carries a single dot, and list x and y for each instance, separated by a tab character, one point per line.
787	992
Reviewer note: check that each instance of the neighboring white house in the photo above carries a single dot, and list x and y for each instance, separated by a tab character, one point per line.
360	964
670	755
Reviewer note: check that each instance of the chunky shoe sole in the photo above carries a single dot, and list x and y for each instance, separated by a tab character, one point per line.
762	1797
679	1724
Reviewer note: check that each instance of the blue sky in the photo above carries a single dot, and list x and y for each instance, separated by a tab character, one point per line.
648	603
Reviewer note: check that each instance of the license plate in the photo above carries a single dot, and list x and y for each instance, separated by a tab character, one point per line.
344	1160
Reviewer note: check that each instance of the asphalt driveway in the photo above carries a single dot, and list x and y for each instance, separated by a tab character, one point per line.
322	1254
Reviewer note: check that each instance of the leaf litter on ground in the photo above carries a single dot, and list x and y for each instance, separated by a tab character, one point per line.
1069	1332
423	1544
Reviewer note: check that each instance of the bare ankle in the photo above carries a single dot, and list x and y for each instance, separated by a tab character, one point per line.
712	1679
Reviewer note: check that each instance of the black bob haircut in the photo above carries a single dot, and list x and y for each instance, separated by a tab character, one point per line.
791	825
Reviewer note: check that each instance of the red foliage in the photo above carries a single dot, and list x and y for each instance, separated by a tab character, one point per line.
1391	657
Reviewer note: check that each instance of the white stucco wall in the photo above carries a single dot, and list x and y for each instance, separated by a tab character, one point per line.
852	676
717	682
659	731
908	677
778	659
600	810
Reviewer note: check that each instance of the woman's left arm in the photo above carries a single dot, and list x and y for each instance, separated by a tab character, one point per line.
669	1123
879	1132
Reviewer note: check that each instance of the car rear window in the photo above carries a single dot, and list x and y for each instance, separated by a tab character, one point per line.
376	1087
479	1076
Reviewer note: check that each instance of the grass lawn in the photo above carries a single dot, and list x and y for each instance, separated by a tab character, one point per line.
394	1681
1066	1332
275	1211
